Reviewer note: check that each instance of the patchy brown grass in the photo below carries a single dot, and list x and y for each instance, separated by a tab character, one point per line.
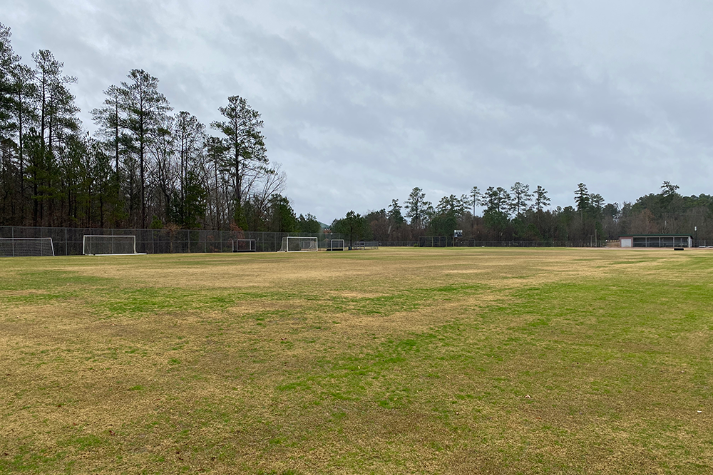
389	361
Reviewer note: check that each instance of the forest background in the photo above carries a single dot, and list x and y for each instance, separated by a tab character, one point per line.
148	166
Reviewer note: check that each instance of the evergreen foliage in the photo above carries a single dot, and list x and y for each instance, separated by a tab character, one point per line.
521	215
144	166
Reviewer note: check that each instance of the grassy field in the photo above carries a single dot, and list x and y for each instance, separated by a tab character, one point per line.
388	361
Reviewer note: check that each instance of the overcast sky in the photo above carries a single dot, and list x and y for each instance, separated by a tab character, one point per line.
364	100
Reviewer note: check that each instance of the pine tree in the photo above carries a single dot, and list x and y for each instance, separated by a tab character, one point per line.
520	197
417	207
58	123
189	137
541	199
394	214
475	197
8	62
282	216
246	156
110	121
145	108
25	115
581	197
215	151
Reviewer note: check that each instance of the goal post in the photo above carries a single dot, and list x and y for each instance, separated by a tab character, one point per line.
103	245
19	247
336	245
299	244
365	245
244	245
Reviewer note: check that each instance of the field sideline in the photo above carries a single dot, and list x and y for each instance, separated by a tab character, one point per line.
390	361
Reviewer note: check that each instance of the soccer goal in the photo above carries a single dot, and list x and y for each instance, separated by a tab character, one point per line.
336	245
94	245
244	245
17	247
295	244
365	245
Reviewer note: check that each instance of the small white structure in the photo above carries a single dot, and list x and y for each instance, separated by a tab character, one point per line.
657	240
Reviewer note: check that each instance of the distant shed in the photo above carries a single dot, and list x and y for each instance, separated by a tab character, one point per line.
657	240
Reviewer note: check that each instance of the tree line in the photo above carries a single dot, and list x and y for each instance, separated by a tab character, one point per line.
520	213
149	166
144	166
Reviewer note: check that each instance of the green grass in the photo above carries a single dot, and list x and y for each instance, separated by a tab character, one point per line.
389	361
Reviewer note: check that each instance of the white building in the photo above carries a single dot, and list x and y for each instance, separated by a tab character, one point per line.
657	240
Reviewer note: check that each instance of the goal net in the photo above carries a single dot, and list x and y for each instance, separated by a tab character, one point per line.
244	245
336	244
17	247
294	244
365	245
108	245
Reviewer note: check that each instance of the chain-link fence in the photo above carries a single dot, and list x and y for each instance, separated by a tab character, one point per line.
449	241
444	241
68	241
472	243
398	243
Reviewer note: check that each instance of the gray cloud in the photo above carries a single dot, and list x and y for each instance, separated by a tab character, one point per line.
364	100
